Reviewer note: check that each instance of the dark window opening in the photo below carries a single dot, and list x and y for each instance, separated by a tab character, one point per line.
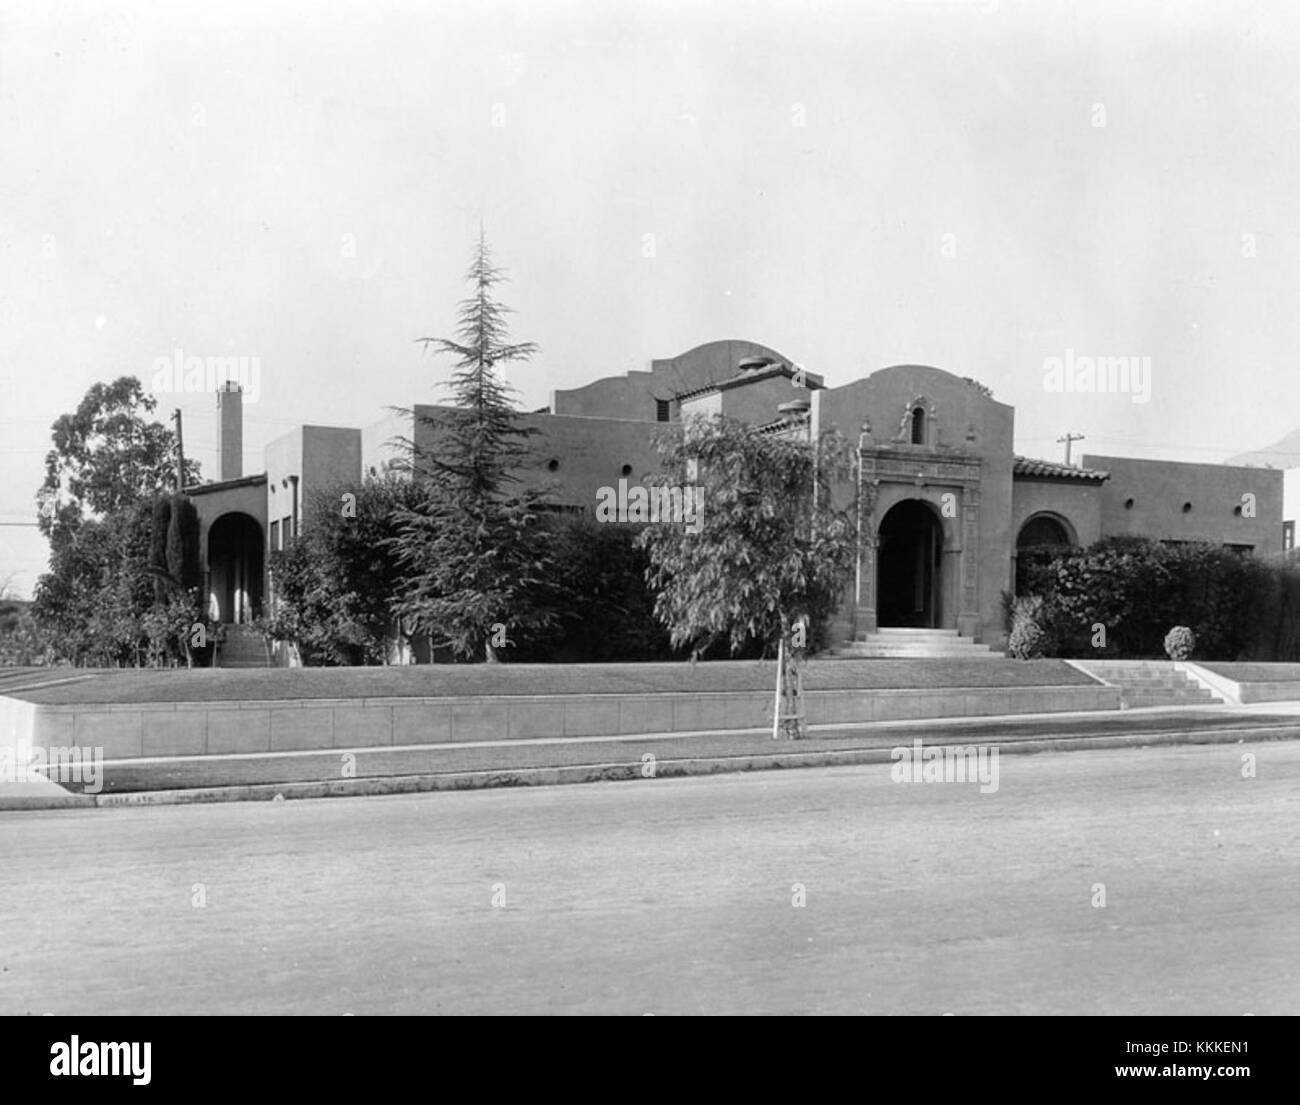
663	409
1043	532
918	426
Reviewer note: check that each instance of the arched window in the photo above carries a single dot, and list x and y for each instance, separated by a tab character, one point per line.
1043	531
918	426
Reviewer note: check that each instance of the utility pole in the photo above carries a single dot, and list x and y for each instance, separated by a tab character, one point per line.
1068	438
180	452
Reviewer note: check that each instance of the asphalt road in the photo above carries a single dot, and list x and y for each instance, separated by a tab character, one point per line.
677	896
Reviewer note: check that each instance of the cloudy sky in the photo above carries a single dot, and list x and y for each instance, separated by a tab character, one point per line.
980	185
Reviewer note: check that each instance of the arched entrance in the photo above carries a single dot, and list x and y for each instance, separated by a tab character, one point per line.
235	558
909	566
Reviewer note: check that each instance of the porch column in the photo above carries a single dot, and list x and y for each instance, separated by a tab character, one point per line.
865	614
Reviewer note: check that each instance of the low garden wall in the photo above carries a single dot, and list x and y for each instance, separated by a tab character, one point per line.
159	729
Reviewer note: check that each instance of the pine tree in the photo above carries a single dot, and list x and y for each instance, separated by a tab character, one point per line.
478	442
474	553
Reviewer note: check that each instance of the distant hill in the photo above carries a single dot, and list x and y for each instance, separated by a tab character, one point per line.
1281	454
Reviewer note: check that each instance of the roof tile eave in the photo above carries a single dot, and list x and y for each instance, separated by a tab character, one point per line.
1029	468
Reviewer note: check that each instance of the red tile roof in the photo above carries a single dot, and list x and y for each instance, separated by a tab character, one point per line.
1046	469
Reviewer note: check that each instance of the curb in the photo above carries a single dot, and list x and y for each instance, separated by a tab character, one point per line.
620	772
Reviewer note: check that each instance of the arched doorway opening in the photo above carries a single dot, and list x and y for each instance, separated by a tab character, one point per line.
909	566
235	559
1040	536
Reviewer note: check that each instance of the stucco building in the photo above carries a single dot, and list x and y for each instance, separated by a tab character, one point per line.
946	502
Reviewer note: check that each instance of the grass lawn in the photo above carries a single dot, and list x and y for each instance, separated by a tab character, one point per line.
76	686
1257	673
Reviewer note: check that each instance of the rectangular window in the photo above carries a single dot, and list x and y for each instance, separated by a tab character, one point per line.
286	531
1288	536
275	536
663	410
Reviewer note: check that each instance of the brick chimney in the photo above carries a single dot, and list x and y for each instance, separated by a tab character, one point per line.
230	431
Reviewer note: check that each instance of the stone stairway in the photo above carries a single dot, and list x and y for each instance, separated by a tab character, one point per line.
243	648
899	643
1150	683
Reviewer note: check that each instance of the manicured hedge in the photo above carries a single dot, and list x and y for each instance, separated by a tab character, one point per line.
1120	597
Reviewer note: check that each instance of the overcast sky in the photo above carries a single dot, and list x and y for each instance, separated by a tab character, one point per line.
979	186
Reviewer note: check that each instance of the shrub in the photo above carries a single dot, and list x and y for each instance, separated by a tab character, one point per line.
1179	643
1028	638
604	610
1236	607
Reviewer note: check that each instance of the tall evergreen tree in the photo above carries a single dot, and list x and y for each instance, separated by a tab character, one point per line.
477	443
474	553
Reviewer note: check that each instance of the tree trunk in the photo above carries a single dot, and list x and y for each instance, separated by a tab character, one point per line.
790	721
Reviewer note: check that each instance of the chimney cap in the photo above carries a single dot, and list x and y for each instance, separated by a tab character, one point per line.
231	385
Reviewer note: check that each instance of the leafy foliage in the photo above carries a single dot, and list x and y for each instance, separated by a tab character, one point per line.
106	456
20	640
1237	607
91	603
1027	637
773	549
597	591
1180	642
469	567
108	466
333	584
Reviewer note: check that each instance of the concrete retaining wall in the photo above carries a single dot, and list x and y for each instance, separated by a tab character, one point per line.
213	728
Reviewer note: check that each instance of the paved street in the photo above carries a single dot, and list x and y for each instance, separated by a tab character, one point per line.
675	896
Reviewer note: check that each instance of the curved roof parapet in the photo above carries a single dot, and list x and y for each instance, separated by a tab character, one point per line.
725	362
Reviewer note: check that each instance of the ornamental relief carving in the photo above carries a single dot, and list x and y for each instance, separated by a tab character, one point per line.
908	468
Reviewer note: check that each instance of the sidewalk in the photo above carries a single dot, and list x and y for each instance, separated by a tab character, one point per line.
548	761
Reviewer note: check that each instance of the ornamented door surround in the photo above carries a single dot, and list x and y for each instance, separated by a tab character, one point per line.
892	475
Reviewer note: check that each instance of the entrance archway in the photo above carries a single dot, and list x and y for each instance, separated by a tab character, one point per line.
909	566
235	559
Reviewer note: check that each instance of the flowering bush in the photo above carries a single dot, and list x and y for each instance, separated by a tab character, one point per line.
1179	643
1027	634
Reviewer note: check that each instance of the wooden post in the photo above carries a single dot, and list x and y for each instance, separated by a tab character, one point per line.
180	452
780	670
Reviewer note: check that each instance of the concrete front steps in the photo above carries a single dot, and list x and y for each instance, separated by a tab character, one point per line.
900	643
1150	683
244	647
